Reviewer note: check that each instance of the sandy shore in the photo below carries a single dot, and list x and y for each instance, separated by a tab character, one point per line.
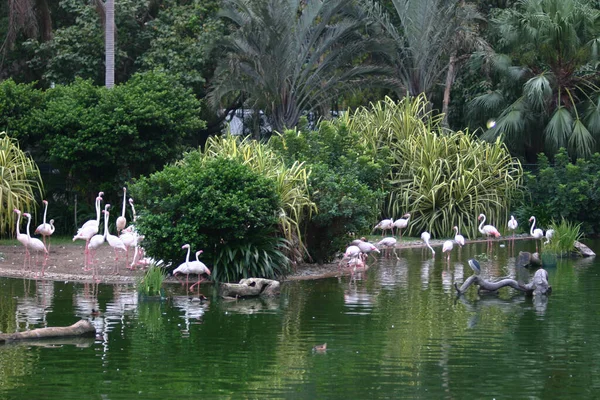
65	263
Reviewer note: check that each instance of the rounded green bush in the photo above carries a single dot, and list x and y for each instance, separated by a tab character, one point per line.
217	205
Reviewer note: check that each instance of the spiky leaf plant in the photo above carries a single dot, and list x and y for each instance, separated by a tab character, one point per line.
563	240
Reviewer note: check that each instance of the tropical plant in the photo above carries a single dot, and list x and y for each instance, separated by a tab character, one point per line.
293	56
20	182
345	182
218	205
565	235
150	284
430	38
443	178
544	94
291	183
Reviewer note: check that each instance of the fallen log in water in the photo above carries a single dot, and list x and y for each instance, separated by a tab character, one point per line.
250	287
80	328
538	286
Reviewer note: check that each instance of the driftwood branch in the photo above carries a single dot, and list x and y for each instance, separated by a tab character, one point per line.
81	328
250	287
539	285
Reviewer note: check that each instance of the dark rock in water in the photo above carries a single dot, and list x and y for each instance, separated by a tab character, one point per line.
526	259
584	250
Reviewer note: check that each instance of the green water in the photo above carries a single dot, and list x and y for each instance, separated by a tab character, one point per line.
398	332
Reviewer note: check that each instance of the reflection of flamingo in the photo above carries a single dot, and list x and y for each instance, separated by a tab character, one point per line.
21	237
122	221
45	229
447	248
402	223
385	225
487	230
536	233
425	236
36	244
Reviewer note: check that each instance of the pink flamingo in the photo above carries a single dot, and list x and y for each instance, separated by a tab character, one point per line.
365	247
389	243
186	268
458	238
36	244
96	221
425	236
536	233
401	223
487	230
45	229
122	221
23	238
89	229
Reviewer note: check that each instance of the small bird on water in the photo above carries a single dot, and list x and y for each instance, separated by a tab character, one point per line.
320	348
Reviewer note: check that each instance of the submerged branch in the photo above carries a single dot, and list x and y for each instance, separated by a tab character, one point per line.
539	284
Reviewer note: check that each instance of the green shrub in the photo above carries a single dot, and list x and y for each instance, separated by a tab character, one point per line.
344	183
564	190
563	240
218	205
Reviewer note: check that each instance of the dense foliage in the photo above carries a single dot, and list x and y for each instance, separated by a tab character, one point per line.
564	190
220	206
345	183
442	178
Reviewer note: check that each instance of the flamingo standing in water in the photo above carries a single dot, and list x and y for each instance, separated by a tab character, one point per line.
401	223
365	247
425	236
536	233
96	241
22	237
458	238
447	248
188	267
45	229
549	234
389	243
36	244
121	220
487	230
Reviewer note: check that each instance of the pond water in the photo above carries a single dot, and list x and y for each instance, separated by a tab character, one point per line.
398	332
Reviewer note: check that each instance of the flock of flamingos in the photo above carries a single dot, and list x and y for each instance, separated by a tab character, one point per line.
356	254
128	238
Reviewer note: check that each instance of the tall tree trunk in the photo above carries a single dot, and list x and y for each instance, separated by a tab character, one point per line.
450	75
109	37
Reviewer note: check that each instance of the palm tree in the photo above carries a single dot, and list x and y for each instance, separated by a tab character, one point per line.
20	182
431	37
287	57
546	95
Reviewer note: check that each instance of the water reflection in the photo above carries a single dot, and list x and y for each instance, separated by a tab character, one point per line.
33	307
358	301
193	311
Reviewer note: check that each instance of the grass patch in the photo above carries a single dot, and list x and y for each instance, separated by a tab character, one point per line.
151	283
565	235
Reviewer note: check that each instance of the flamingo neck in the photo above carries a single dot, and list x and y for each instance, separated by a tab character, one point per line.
532	227
45	210
18	223
28	223
105	225
98	211
481	224
187	257
124	197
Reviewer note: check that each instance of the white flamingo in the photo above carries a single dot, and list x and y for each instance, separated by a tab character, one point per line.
389	243
22	237
186	268
536	233
365	246
121	220
45	229
425	236
87	231
114	242
384	225
447	248
401	223
512	225
35	244
549	234
96	241
96	221
458	238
